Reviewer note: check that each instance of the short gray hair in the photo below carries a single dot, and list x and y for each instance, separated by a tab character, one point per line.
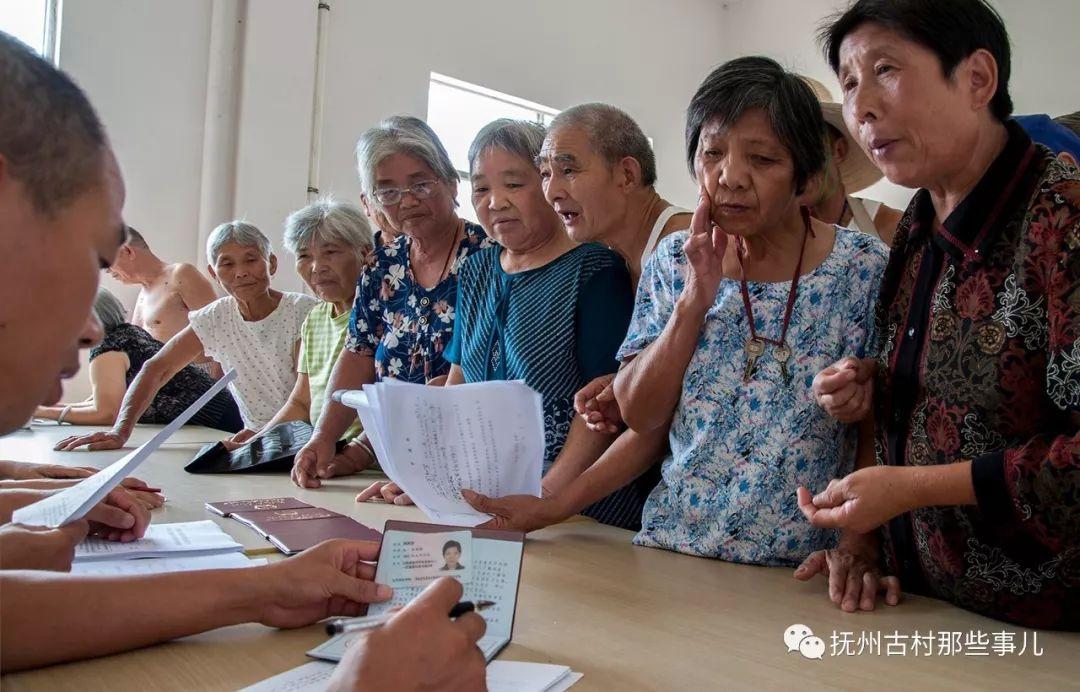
50	136
519	137
329	219
612	133
401	134
240	232
109	310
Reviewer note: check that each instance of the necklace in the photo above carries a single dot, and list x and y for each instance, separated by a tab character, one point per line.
421	347
843	212
755	345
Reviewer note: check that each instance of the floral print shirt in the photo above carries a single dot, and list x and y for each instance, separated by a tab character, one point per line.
981	321
402	325
739	451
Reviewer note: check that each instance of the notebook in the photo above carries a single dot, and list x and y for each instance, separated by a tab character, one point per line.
412	555
183	539
292	525
118	568
226	508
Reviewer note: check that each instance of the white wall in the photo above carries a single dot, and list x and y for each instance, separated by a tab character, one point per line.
144	66
642	55
1046	52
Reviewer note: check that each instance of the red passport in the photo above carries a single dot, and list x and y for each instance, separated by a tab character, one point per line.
294	530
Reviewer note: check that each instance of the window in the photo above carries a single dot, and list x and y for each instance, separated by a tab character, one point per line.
457	110
33	22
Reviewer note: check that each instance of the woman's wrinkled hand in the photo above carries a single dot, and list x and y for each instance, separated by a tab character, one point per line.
596	404
854	577
845	389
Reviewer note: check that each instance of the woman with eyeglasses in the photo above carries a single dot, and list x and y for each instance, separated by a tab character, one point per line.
403	315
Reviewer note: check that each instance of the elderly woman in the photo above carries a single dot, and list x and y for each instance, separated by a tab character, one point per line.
116	361
540	308
330	240
254	330
732	320
977	387
403	316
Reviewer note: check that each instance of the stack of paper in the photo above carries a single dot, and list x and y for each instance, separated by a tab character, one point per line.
186	539
502	676
118	568
75	501
436	441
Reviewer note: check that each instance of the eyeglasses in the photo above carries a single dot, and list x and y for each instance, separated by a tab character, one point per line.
389	196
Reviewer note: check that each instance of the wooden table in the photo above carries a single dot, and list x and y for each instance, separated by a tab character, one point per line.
626	617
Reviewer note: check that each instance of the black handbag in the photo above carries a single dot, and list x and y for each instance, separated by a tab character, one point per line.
273	451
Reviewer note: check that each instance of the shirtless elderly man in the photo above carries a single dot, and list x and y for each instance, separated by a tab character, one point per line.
168	292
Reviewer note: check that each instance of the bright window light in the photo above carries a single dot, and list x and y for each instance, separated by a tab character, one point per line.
457	110
26	21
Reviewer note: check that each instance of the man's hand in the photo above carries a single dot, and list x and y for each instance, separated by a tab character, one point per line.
596	404
861	501
106	439
516	512
25	471
120	516
333	578
384	491
419	649
25	547
852	570
845	389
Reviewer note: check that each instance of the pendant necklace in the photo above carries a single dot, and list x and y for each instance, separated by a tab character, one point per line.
755	345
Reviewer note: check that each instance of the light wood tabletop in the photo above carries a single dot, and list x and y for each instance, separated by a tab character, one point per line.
627	617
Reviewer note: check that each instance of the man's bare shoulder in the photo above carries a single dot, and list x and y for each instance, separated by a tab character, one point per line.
185	272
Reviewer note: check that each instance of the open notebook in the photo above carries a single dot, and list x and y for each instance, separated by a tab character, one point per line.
488	563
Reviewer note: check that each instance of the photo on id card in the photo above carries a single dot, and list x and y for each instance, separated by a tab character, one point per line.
415	559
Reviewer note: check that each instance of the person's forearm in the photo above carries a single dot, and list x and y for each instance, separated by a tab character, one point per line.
629	456
47	616
352	371
86	413
648	387
12	499
151	378
580	451
942	485
292	410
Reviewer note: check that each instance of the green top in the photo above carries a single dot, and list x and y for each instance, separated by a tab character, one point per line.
322	337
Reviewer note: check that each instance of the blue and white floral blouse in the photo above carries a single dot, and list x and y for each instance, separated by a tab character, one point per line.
739	451
403	325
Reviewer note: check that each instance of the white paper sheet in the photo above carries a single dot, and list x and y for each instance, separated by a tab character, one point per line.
306	678
502	676
436	441
517	676
189	539
118	568
75	501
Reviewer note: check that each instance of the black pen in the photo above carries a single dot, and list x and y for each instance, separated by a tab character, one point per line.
343	625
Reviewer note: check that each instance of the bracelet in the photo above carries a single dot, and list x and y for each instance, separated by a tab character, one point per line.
63	413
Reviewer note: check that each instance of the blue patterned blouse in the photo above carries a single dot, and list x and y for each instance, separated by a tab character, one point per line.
556	327
403	325
739	451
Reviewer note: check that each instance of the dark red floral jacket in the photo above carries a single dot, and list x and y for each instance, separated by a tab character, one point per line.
980	318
